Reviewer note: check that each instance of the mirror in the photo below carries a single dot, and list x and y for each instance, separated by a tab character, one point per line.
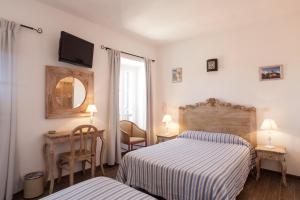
69	93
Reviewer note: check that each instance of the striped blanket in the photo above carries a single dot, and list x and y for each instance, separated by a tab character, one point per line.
194	166
100	188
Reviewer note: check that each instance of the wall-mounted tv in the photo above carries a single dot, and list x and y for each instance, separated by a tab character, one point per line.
75	50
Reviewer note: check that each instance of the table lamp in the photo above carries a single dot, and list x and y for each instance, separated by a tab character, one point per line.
269	125
167	119
92	109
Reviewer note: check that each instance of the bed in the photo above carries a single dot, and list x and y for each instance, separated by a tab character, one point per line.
99	188
211	159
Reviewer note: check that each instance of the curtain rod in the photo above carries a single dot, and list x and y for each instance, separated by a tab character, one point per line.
107	48
38	30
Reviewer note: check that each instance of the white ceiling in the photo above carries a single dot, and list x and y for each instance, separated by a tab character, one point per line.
164	21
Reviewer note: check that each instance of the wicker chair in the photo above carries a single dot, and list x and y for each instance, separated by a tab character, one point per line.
131	134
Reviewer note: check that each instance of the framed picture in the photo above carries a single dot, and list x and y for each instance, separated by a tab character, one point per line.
212	65
274	72
177	75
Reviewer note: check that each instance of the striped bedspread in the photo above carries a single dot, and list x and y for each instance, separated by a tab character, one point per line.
194	166
100	188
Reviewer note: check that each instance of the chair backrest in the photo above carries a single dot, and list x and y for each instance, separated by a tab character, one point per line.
84	133
126	126
132	129
138	132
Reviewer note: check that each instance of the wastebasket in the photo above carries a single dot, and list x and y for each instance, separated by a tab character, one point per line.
33	185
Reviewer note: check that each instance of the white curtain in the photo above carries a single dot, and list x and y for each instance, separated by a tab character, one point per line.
149	118
8	119
114	134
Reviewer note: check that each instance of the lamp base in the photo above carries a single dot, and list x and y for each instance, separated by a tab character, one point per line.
270	146
92	120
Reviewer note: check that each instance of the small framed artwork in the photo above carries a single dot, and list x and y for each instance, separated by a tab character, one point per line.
177	75
274	72
212	65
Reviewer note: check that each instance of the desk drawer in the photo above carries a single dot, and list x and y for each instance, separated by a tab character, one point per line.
270	155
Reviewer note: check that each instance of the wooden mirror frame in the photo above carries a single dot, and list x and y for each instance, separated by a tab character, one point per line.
53	76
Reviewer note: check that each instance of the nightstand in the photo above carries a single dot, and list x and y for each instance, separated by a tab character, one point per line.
163	138
276	153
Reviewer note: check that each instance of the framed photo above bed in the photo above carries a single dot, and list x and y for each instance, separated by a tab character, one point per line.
274	72
212	65
177	75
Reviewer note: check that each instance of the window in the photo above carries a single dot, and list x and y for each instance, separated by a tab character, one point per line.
133	91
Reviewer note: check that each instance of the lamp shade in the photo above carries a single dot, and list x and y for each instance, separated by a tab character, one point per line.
91	108
268	124
167	118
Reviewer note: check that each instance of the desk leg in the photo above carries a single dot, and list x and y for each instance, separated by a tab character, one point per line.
283	170
101	163
46	160
51	159
257	168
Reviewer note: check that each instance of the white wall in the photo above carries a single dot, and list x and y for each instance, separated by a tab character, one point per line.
240	52
37	50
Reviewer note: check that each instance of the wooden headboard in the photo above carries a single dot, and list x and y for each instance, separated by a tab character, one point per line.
217	116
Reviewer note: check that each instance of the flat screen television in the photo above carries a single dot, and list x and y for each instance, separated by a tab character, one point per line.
75	50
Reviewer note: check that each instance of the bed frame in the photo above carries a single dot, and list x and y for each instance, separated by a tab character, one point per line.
217	116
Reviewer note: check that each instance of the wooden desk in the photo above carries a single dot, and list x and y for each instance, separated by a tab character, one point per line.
51	140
